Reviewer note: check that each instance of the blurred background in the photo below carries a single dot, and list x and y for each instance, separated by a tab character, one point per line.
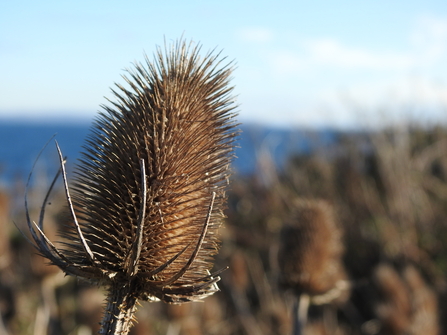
339	101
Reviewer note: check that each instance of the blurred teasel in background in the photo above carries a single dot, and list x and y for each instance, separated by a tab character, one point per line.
310	258
149	190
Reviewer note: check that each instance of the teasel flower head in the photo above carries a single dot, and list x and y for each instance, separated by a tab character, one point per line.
309	258
150	187
310	251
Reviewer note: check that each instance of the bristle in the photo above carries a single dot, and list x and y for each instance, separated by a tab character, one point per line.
311	249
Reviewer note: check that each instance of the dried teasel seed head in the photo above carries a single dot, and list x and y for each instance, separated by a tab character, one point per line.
150	187
310	251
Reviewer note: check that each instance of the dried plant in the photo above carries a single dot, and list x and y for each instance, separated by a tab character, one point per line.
311	249
394	311
309	258
5	256
150	187
407	304
425	318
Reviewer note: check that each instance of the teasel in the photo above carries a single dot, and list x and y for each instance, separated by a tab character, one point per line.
310	258
150	187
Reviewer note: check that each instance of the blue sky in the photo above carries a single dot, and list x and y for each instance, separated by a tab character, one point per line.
300	63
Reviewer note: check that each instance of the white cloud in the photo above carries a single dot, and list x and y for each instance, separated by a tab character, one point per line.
393	102
415	91
333	53
329	53
427	48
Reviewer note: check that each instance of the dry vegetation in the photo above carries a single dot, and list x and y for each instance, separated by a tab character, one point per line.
388	194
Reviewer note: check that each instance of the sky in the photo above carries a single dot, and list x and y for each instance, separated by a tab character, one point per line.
299	63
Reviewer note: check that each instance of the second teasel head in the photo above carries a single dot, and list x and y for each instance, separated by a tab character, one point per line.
150	187
310	249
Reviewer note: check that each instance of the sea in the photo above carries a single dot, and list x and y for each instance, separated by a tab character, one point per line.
27	144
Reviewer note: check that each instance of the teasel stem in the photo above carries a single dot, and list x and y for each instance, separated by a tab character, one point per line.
120	309
300	308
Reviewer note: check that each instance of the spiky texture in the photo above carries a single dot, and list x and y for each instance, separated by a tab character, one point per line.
311	249
150	187
176	117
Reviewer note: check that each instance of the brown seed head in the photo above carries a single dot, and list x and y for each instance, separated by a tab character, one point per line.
150	187
310	249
